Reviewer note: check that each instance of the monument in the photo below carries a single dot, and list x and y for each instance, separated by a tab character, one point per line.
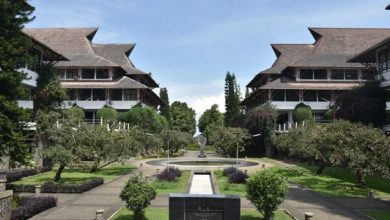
202	140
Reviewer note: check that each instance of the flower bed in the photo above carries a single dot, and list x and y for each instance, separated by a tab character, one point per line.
15	175
30	206
52	187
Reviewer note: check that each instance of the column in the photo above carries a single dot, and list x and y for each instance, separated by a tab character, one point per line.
290	117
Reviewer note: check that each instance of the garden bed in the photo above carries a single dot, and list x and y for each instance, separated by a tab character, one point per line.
377	214
17	174
166	187
29	206
229	188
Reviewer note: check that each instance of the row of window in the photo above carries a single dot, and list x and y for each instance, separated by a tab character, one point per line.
308	95
336	74
87	74
384	60
101	94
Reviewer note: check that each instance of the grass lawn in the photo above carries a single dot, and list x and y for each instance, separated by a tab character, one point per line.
162	214
178	186
195	147
78	175
377	214
228	188
337	181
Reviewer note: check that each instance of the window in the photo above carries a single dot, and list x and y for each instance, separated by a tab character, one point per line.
338	74
61	73
306	74
324	96
99	95
310	96
351	74
72	73
85	94
71	94
384	60
278	95
292	95
102	74
130	94
88	74
320	74
318	116
116	94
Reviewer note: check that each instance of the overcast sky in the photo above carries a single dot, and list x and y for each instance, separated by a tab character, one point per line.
189	45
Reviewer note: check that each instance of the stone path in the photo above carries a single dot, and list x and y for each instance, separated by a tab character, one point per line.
83	206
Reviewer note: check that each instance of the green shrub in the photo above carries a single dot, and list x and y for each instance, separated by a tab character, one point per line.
137	194
302	112
76	113
108	114
267	190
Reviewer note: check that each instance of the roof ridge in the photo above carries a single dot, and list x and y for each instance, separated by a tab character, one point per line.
350	28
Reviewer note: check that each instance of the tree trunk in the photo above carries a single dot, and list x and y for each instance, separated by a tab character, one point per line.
268	215
95	166
360	178
58	173
138	215
321	168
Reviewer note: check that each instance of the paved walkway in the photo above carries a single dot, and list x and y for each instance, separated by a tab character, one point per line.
299	201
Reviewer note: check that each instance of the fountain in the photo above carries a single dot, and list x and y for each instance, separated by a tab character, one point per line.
202	140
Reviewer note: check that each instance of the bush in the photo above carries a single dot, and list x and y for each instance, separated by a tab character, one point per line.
108	114
31	206
169	174
302	112
15	175
229	170
267	190
52	187
137	194
237	177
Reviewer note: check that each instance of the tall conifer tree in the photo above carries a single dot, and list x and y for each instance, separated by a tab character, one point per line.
232	98
165	110
13	46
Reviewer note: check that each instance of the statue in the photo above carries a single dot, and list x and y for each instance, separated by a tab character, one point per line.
202	140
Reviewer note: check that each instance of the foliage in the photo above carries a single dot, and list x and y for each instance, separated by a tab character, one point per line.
178	186
267	190
109	115
210	116
302	112
15	175
225	140
166	109
147	119
169	174
365	104
48	94
183	118
237	177
232	99
31	206
53	187
176	140
13	15
208	132
261	121
229	170
137	194
75	113
229	188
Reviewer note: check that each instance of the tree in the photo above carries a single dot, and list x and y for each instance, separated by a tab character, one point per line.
225	140
109	115
48	94
365	104
177	140
146	119
267	190
210	116
13	15
166	109
76	113
261	121
232	98
302	112
183	117
137	194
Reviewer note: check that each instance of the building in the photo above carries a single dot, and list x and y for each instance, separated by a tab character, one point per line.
96	75
314	73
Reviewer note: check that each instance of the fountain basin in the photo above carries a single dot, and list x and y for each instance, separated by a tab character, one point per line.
203	163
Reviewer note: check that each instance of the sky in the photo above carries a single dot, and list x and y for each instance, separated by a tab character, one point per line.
189	45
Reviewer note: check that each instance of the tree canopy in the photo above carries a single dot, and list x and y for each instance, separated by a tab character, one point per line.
209	117
166	109
232	99
183	117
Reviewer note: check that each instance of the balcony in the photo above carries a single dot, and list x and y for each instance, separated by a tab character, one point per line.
386	78
291	105
31	78
93	105
27	104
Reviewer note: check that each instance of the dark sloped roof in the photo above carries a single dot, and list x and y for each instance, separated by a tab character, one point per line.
123	83
334	46
74	43
369	55
286	54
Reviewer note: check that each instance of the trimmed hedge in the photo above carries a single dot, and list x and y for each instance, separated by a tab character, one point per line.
52	187
15	175
31	206
229	170
169	175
